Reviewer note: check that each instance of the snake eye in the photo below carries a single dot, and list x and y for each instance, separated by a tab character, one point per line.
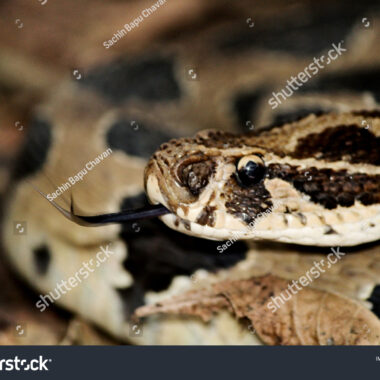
250	170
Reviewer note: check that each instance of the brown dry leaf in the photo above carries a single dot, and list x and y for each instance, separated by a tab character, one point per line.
309	317
354	276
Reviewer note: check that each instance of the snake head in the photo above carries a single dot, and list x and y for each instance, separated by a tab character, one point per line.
213	184
287	184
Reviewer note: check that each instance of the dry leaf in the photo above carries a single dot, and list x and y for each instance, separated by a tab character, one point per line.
309	317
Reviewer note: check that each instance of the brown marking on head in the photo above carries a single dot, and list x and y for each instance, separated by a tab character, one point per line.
246	203
207	216
328	187
351	143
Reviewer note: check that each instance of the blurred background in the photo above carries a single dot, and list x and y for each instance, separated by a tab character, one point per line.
248	48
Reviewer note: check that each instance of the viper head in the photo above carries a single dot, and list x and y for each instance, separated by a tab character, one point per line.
215	184
286	184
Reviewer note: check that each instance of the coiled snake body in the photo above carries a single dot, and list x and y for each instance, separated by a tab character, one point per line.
314	182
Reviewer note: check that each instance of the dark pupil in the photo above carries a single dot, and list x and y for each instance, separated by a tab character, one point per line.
251	174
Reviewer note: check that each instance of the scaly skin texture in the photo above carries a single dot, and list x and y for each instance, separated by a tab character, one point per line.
321	184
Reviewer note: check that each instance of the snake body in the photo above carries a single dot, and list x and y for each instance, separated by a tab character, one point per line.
312	178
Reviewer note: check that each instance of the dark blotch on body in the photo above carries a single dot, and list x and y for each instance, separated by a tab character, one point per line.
311	36
157	254
42	259
359	80
146	78
34	152
374	298
141	142
245	106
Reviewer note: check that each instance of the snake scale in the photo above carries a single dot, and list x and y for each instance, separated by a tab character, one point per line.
310	177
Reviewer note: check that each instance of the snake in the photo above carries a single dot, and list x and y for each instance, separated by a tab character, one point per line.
254	191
